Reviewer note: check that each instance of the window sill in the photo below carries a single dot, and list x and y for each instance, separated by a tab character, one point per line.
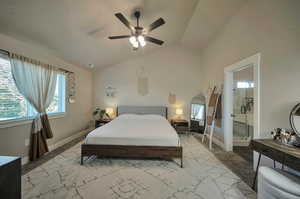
23	121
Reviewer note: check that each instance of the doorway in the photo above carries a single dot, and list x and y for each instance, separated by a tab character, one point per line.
241	103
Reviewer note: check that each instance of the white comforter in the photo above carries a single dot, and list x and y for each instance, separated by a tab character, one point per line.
136	130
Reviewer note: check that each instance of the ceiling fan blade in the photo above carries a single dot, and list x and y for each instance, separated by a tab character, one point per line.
121	17
153	40
119	37
156	24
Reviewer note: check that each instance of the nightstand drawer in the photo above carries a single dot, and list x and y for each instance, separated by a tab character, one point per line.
181	126
184	124
99	123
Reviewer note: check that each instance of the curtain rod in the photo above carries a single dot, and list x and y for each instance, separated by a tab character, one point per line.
62	69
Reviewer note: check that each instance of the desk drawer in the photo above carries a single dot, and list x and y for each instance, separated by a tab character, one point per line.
292	162
269	152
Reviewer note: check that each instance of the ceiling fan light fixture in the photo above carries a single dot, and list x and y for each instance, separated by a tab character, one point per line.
139	35
141	40
135	44
133	40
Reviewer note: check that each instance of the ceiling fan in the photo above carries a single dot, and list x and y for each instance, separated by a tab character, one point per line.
139	35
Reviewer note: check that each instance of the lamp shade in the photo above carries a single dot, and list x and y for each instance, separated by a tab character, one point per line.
179	111
109	111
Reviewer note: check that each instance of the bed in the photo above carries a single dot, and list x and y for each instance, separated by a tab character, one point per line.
137	132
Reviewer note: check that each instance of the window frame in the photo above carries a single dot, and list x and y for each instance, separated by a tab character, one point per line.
29	117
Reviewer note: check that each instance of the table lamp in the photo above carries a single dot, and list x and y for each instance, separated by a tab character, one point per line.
179	112
109	111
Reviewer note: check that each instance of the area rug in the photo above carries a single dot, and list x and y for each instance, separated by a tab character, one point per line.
203	177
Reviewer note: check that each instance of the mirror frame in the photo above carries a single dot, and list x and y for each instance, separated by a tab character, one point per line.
295	108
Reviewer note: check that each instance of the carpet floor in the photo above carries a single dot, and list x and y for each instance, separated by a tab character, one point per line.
203	176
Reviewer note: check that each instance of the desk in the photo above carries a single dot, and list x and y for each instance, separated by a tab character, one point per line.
286	155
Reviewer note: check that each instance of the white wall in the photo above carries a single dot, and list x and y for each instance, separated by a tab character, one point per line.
173	69
12	140
271	27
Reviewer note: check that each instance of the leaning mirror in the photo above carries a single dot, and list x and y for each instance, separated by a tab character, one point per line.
295	119
197	118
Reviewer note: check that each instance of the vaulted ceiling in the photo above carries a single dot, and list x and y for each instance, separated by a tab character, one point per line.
77	30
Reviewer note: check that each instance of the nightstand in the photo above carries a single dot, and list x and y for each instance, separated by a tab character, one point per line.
181	126
101	122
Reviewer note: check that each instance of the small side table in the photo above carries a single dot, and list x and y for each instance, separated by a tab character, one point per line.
99	123
181	126
10	177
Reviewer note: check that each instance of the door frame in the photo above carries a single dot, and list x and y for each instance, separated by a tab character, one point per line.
228	98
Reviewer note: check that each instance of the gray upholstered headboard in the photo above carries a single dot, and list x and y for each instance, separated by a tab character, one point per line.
156	110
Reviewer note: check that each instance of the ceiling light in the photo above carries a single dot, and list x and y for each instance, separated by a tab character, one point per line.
132	40
135	44
141	40
137	33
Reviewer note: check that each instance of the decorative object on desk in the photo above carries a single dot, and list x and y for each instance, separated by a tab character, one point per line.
71	83
100	114
295	124
295	119
284	136
179	112
110	91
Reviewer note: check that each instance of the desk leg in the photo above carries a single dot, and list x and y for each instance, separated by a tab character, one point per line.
256	172
282	164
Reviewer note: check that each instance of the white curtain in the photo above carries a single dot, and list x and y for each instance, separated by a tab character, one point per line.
37	83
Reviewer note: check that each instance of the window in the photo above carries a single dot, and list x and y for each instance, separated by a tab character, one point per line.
245	85
14	106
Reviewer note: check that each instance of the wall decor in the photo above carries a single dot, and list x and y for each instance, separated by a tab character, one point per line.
71	85
143	88
110	91
142	82
172	98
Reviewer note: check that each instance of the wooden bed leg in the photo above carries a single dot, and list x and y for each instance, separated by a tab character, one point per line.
181	159
81	160
181	165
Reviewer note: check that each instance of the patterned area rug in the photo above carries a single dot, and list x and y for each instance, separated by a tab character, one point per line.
203	176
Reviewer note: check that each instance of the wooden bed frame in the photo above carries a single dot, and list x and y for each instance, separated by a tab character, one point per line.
131	151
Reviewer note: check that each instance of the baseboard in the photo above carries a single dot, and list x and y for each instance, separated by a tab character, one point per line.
68	139
60	143
25	160
218	141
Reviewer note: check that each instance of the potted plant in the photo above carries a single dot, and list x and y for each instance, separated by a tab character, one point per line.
100	114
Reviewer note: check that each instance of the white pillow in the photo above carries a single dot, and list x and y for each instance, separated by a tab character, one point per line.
129	116
152	116
140	116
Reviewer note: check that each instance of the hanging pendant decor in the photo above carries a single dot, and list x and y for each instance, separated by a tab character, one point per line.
71	87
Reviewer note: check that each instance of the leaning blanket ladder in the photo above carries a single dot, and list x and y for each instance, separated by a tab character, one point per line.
211	116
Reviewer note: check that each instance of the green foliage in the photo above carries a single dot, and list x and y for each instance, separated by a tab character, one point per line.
100	112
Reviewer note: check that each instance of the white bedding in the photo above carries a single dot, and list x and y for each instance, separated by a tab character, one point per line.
135	130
